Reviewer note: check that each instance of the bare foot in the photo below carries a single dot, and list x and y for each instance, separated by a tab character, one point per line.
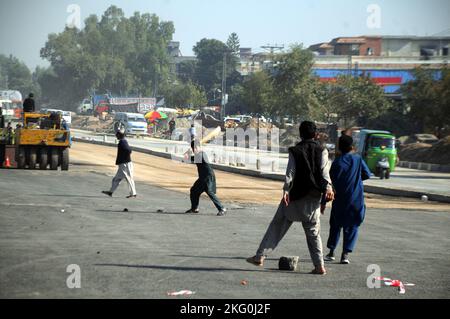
256	261
319	271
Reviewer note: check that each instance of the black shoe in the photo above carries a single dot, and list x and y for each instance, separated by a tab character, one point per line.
223	212
344	259
192	211
107	193
132	196
330	257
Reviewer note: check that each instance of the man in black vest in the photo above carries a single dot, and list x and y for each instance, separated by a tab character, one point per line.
307	178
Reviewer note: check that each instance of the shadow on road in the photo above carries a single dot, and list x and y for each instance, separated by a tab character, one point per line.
88	164
207	269
147	212
234	258
66	195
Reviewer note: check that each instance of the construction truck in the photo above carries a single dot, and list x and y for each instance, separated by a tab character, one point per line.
41	140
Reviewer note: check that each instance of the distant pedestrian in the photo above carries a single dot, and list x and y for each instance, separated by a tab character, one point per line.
307	179
206	182
192	134
125	167
172	126
28	104
348	172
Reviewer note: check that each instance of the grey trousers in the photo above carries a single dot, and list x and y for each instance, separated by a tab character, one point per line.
124	171
307	212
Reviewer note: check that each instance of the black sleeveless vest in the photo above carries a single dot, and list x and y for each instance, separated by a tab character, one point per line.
308	172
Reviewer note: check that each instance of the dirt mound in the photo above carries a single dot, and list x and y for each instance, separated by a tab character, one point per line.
183	122
290	136
438	153
253	124
92	123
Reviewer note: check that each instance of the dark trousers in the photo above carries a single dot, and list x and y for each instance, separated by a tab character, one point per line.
202	186
350	236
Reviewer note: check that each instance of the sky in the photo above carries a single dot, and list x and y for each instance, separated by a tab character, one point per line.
25	24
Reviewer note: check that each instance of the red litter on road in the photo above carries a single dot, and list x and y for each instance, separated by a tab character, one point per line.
395	283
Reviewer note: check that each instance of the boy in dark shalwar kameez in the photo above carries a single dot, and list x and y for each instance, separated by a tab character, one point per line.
347	175
206	182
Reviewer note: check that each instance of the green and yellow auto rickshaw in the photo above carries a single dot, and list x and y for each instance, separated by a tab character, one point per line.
378	150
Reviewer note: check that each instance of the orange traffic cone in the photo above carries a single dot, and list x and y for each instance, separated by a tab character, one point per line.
7	163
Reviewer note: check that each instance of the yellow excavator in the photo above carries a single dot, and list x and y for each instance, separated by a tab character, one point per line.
41	140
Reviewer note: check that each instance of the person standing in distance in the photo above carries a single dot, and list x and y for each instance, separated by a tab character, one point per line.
28	104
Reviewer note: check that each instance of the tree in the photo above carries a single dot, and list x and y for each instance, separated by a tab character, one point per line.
236	103
355	100
210	55
15	75
233	44
427	99
185	95
111	54
186	71
257	93
294	85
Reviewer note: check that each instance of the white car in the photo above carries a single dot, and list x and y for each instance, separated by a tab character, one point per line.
134	123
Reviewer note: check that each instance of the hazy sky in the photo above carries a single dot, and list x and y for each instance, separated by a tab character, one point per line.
25	24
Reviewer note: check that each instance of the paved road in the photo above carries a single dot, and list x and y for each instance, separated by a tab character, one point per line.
402	178
144	253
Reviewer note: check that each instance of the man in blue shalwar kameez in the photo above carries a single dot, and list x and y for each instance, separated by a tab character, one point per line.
347	175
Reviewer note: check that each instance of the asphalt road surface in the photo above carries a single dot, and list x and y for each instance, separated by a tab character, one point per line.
50	220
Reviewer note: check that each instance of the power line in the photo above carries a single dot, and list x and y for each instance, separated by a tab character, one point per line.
273	48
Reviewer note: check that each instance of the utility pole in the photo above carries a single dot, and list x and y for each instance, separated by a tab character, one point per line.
224	85
350	64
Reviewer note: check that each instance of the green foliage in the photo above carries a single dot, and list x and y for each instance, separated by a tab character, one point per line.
210	54
15	75
294	85
185	95
233	44
186	72
257	93
112	54
428	99
355	100
236	103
